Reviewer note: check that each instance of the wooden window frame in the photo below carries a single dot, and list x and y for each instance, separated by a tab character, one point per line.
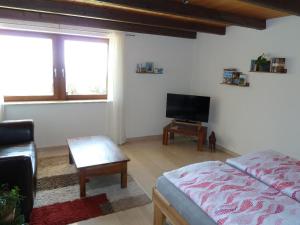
59	79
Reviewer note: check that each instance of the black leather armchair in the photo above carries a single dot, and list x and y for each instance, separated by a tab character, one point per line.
18	160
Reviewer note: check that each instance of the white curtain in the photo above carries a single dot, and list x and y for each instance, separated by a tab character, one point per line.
1	108
1	102
115	106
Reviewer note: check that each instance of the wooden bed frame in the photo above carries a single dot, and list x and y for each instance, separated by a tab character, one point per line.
163	209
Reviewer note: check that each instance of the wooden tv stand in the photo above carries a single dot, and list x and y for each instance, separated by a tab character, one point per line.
185	129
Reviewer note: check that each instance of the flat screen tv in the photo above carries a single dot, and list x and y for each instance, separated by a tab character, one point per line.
188	108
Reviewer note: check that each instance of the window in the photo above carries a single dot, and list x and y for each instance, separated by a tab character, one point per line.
38	66
26	66
82	73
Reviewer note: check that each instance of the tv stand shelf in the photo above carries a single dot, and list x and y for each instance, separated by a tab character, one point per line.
185	129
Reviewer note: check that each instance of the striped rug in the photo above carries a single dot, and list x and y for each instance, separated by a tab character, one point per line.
58	182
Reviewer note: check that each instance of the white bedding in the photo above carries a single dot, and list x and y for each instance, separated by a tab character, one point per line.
231	197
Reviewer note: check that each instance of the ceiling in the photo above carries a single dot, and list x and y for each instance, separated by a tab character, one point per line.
163	17
240	8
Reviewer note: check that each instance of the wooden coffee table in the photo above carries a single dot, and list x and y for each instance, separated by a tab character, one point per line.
94	156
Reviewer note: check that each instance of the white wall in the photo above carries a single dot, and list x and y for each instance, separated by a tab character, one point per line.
145	103
54	123
144	95
265	115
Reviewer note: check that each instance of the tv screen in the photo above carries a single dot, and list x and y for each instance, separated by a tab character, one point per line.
188	107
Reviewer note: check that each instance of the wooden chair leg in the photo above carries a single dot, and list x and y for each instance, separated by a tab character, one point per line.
159	217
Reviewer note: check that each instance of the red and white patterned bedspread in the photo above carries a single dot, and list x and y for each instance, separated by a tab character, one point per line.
231	197
273	168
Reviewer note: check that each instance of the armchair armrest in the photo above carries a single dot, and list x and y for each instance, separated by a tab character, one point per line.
16	131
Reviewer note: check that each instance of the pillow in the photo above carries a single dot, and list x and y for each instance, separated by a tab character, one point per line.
274	169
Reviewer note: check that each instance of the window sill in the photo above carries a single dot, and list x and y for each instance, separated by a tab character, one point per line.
56	102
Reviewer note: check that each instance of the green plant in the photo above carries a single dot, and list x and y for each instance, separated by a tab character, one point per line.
261	60
9	205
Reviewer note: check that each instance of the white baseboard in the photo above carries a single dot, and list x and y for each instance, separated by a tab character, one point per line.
137	139
232	153
144	138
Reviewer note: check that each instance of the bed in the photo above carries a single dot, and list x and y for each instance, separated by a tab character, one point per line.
176	198
173	197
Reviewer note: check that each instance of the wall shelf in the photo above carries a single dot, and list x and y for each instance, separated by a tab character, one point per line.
148	68
270	66
252	71
148	73
236	85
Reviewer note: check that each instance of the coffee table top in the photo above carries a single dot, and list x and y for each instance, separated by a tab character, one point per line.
95	151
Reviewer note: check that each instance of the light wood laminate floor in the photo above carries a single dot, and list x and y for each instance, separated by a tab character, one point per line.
149	159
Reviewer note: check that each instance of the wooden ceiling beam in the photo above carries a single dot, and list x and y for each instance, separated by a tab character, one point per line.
188	10
102	12
94	23
289	6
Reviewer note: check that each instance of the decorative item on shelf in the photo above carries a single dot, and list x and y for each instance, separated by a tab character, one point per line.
233	77
278	65
253	65
243	80
138	68
141	68
236	78
262	64
228	75
158	70
148	68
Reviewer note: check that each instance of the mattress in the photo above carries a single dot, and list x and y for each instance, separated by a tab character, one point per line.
192	213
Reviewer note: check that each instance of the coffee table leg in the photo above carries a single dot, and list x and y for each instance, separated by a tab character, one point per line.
82	180
124	176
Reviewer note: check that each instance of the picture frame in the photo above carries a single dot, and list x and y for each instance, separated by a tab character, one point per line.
160	70
243	80
253	65
228	75
149	67
236	77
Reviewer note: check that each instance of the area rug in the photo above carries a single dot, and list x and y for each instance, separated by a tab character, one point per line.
71	212
58	183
